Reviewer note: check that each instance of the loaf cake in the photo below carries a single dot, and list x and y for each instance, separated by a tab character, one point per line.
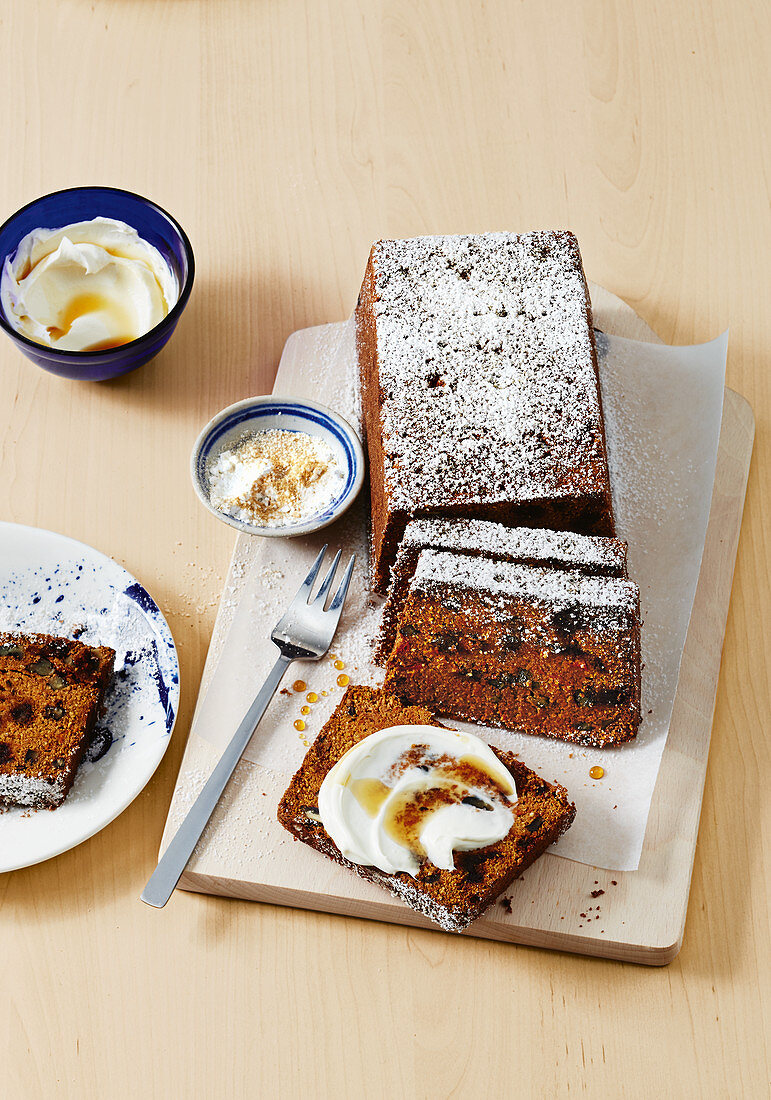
480	389
595	555
452	898
51	694
545	651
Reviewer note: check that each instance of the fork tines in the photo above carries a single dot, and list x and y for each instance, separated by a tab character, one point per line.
304	593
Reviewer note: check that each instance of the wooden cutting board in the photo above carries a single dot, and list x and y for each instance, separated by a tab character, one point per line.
637	916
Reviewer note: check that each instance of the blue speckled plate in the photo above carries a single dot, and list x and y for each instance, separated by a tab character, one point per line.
53	585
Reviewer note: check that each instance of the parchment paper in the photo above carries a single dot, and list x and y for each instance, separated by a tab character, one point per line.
663	409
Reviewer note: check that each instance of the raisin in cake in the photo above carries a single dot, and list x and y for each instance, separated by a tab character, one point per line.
544	651
480	389
51	694
595	555
452	898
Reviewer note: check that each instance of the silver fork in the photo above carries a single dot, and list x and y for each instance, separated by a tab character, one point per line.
304	632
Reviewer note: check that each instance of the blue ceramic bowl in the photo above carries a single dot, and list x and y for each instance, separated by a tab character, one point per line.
259	414
78	204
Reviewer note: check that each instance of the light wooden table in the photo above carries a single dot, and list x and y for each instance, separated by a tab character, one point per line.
287	136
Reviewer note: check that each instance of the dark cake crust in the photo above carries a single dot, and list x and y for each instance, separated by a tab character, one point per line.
51	694
480	388
453	899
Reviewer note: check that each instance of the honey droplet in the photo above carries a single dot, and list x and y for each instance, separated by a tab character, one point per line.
343	680
339	663
305	710
299	724
299	685
596	772
312	697
325	693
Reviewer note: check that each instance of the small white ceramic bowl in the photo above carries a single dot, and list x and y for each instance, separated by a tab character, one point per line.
260	414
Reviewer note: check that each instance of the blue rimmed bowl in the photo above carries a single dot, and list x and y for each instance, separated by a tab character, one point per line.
151	222
260	414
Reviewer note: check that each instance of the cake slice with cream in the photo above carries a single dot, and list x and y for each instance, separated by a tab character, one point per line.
437	816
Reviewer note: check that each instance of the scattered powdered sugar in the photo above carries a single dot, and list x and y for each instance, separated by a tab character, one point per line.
493	540
486	370
328	368
275	478
252	837
273	571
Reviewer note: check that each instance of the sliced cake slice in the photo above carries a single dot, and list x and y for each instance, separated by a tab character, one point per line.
594	555
418	784
544	651
480	386
51	694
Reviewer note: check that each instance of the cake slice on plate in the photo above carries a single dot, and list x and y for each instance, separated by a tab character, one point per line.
51	695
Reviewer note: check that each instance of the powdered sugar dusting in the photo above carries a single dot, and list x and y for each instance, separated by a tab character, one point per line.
498	582
492	540
486	370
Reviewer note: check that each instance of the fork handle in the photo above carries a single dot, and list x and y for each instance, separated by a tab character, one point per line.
168	872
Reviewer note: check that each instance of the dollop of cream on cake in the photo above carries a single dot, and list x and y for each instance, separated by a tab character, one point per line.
409	793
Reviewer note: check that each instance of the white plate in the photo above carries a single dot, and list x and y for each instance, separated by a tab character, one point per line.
54	585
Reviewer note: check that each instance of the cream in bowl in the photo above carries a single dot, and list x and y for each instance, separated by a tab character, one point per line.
275	478
88	286
277	466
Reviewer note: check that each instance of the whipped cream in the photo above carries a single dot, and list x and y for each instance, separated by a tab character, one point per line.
409	793
86	287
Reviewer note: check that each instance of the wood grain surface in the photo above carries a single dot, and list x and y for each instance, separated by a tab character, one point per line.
286	136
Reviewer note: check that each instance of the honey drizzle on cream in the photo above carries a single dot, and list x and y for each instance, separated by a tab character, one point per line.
480	766
406	817
83	304
370	794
